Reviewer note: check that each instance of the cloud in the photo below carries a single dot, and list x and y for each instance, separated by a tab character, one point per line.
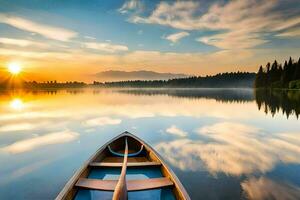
233	148
89	37
176	131
233	40
177	15
106	47
140	32
36	54
102	121
241	24
21	42
131	5
290	33
287	23
264	188
177	36
17	127
47	31
40	141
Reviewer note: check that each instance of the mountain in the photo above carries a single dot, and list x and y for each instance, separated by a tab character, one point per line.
113	75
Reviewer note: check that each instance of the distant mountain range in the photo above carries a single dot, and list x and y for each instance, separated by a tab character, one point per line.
114	75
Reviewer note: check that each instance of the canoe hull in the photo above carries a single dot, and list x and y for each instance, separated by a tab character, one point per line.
102	156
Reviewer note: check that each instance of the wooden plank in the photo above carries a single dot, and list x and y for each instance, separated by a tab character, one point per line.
132	185
147	184
129	160
131	164
96	184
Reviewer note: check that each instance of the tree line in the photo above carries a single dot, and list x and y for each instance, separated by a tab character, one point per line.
279	76
54	84
221	80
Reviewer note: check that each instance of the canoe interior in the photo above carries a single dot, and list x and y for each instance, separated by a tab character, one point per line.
105	168
166	194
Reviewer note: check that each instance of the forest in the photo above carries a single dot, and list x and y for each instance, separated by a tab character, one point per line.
222	80
279	76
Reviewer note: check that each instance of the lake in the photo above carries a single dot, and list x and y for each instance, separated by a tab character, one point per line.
221	143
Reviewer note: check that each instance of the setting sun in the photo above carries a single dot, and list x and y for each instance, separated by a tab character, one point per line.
14	68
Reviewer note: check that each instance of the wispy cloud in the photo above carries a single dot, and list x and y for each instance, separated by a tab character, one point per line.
21	42
176	131
17	127
35	54
177	15
89	37
242	23
102	121
131	5
51	32
36	142
290	33
106	47
177	36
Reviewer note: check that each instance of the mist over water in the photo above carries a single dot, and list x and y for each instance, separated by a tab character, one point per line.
221	143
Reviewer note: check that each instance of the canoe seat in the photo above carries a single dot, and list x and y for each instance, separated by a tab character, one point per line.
130	164
122	154
120	159
132	185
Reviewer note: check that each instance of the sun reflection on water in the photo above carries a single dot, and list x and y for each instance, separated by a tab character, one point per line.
17	104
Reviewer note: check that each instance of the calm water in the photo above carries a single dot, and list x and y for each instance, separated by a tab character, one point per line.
222	144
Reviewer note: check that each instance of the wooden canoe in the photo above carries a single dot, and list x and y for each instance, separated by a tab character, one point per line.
124	168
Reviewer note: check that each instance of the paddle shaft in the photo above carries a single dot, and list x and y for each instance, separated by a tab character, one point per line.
120	192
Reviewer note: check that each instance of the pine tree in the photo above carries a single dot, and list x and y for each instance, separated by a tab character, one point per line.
267	80
259	80
297	71
284	76
274	72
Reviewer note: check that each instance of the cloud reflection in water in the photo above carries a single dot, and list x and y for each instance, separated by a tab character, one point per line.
232	148
264	188
39	141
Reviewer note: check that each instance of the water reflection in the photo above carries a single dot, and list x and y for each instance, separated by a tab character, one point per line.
38	141
217	141
17	104
264	188
286	101
223	95
232	148
274	101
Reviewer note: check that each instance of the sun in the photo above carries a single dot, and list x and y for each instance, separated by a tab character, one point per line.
14	68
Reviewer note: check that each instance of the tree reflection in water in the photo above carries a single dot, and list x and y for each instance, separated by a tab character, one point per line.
274	101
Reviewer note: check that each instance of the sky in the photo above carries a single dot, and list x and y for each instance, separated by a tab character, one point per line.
74	39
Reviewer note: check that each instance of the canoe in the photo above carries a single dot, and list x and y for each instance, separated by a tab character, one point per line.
124	168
